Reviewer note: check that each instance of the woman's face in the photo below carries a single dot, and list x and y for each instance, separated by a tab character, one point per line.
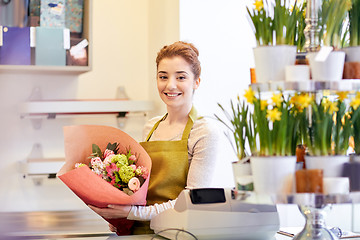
176	82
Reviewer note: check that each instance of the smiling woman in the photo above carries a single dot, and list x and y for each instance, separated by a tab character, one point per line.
185	148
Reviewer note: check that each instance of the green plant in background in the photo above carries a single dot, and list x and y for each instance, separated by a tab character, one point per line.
300	27
355	121
276	22
329	127
332	16
318	138
342	125
300	103
354	23
238	123
273	125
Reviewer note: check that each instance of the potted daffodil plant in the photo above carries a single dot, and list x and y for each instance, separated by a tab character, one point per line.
275	25
327	134
329	65
352	42
268	127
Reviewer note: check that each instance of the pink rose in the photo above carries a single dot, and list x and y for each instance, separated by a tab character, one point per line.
111	169
132	158
96	161
133	167
134	184
107	160
142	171
108	152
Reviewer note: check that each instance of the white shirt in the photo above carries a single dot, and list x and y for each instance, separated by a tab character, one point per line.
209	162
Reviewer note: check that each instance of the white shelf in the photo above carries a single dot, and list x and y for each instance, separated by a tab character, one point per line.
309	86
41	166
70	107
30	69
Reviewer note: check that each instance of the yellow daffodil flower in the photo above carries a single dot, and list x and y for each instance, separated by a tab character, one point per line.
294	99
263	104
259	5
348	5
250	95
333	107
304	100
342	95
273	115
330	107
292	7
357	95
355	103
277	99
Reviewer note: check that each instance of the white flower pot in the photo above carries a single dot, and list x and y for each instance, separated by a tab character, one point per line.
332	166
270	62
329	70
242	175
352	54
273	175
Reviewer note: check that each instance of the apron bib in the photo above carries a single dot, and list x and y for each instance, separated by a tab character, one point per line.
170	166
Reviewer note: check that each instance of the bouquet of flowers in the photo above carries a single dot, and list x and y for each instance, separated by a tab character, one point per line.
117	166
119	170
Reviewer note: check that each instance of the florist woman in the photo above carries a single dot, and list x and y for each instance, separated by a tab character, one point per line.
185	148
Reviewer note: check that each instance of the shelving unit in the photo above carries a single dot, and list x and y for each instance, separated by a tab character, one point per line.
51	108
308	86
67	70
42	166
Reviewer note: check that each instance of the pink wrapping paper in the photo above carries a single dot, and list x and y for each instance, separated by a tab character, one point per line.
89	187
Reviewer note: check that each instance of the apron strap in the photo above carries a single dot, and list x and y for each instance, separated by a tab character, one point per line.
189	124
188	127
154	127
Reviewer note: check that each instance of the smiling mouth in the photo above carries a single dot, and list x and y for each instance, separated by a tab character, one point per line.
172	94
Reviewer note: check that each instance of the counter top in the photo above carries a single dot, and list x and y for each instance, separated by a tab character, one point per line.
71	225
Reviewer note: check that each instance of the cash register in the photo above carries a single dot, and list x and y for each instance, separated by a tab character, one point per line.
215	213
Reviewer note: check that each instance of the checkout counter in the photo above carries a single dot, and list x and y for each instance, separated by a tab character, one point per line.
72	225
199	214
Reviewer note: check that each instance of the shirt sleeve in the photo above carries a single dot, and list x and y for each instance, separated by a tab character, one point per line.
211	155
146	213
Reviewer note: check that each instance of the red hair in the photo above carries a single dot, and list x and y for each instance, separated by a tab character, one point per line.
181	49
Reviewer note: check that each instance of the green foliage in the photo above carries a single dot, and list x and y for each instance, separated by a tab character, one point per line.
96	151
332	15
277	23
354	23
237	123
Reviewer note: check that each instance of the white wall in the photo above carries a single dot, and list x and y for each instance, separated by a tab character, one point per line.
120	43
225	40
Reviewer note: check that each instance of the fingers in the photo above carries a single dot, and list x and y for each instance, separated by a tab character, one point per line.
110	213
112	228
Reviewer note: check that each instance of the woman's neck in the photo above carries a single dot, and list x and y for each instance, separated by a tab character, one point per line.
176	115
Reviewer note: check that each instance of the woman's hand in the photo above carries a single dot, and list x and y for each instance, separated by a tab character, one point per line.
112	228
112	211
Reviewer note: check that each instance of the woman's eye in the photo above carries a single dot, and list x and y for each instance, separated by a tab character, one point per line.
163	77
181	78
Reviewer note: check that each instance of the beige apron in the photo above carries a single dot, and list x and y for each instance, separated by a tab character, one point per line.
170	166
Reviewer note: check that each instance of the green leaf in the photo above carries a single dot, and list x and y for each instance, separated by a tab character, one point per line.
96	151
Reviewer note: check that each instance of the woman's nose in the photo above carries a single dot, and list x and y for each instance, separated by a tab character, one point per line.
171	83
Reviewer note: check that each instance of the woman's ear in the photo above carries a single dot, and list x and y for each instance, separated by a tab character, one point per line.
196	83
